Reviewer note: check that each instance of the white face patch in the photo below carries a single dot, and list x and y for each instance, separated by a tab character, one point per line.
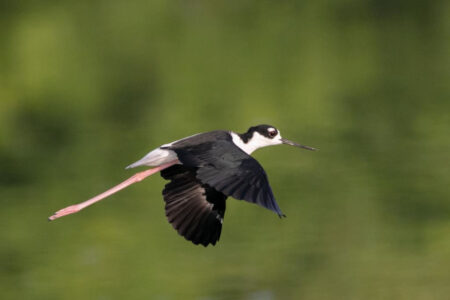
257	141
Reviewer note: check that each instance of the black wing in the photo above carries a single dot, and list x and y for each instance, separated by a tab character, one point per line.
195	210
228	169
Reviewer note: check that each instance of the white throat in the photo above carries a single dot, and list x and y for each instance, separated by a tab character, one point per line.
257	141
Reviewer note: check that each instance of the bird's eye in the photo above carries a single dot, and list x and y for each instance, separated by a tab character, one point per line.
272	133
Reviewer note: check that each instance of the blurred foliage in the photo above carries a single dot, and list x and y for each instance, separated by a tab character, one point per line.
86	87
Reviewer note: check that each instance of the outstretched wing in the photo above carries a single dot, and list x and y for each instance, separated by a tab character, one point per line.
225	167
195	210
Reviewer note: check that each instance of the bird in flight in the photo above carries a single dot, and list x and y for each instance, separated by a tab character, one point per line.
203	170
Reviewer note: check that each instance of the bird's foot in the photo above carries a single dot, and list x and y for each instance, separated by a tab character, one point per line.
65	211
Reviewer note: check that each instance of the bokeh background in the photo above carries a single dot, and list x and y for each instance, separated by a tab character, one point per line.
87	87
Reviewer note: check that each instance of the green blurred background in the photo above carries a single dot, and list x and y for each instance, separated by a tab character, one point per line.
87	87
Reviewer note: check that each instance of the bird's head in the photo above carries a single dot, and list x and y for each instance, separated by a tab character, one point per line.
262	136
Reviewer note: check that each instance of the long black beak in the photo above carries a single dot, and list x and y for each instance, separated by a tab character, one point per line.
288	142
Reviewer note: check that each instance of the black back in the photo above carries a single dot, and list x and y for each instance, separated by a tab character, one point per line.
222	165
194	209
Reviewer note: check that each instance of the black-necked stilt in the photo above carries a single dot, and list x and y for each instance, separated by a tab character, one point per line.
205	169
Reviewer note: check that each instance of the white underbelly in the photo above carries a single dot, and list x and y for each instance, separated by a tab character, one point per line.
155	158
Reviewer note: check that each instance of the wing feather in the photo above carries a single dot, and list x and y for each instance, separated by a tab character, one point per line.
194	209
221	164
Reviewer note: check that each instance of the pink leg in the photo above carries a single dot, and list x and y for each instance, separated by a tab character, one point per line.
133	179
